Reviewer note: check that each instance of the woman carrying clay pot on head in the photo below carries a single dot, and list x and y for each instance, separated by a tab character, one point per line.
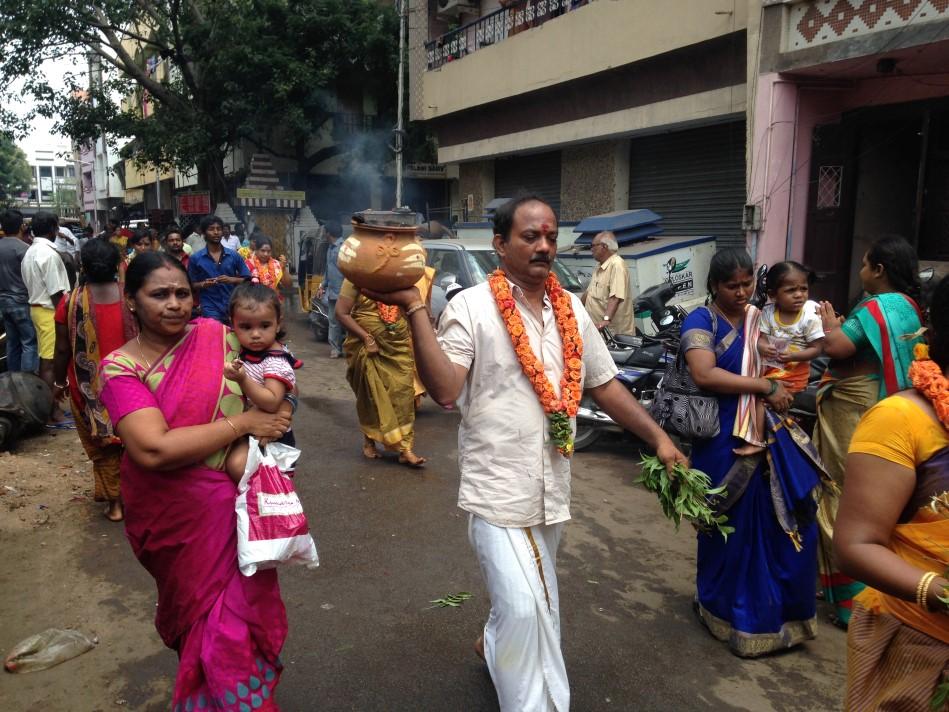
381	371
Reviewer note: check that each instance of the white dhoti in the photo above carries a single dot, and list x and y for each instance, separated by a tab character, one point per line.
522	635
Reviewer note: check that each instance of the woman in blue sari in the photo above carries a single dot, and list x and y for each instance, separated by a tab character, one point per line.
755	590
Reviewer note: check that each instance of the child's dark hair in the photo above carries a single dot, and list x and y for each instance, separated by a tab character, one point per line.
256	293
778	272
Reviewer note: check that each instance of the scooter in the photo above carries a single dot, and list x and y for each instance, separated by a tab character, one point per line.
641	360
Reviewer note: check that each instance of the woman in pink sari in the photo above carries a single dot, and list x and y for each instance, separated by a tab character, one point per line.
177	418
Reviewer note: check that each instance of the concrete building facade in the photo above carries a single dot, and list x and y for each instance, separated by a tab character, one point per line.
596	105
849	133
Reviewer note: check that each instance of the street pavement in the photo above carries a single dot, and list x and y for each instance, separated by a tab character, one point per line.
364	634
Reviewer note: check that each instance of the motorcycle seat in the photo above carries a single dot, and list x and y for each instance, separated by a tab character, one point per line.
628	340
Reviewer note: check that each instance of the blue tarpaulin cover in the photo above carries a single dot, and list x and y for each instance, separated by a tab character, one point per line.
628	226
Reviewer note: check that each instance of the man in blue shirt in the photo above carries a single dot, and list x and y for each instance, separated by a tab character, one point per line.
215	271
331	286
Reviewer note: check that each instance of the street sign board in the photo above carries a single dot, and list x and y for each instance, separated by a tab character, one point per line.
194	203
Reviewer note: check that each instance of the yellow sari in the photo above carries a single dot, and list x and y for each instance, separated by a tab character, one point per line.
897	651
382	382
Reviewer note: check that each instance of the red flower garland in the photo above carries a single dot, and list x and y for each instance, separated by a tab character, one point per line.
558	410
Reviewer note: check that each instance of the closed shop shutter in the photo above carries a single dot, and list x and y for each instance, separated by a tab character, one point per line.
695	179
537	173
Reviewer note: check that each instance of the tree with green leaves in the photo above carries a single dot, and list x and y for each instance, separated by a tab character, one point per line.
199	77
15	174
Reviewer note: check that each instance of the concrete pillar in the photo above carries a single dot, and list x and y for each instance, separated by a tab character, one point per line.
594	179
476	178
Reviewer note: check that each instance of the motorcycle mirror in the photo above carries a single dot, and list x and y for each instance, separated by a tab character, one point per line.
666	320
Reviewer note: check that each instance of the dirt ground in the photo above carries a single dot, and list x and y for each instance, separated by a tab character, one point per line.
66	566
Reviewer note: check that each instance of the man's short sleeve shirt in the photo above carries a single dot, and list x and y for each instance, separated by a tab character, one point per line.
214	299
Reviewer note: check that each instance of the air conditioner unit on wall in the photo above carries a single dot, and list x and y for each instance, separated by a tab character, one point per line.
453	8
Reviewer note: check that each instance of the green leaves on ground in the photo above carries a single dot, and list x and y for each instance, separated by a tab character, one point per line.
684	495
452	600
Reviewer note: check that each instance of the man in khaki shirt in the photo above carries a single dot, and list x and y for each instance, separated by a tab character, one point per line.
608	299
515	483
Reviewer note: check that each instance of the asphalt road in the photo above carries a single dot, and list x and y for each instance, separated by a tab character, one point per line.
363	633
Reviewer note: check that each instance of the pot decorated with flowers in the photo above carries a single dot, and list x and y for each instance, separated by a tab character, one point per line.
384	253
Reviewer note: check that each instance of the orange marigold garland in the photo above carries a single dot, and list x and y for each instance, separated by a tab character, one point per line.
929	380
388	314
559	410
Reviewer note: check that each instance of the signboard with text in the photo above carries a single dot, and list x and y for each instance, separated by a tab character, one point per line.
194	203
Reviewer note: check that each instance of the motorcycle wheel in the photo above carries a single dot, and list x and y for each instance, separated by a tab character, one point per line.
586	436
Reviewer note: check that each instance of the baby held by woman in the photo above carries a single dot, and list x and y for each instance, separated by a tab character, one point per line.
791	336
265	369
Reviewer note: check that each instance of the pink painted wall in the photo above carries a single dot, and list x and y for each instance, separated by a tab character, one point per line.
781	155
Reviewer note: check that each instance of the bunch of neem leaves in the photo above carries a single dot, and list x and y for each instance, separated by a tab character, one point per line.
684	495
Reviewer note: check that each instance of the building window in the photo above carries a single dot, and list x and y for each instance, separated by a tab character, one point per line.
70	171
829	182
60	171
46	171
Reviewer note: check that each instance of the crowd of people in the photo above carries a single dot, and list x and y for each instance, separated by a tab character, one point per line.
170	358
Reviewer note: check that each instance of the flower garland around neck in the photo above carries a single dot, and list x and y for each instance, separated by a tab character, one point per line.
559	410
929	380
388	314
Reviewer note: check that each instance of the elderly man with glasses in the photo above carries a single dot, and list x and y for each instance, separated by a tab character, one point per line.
608	300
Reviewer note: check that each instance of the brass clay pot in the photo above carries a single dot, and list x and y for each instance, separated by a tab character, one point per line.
382	258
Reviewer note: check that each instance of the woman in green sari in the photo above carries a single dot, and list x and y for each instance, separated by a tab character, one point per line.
381	371
871	352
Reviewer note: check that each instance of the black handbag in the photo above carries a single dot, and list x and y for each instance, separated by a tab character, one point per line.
681	407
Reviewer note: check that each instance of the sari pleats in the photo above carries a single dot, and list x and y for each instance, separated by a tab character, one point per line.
384	382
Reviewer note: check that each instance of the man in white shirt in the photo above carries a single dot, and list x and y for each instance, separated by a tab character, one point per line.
230	240
44	275
515	480
66	241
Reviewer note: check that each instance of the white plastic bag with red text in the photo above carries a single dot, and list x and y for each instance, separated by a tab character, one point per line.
271	526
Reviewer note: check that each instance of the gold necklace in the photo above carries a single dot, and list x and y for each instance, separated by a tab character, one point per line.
141	351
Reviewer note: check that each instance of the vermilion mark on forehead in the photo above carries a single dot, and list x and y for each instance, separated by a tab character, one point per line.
545	227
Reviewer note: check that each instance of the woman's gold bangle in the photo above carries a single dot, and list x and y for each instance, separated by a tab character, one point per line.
922	588
414	308
228	421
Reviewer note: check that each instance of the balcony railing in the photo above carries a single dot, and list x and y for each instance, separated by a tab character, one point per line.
495	27
349	123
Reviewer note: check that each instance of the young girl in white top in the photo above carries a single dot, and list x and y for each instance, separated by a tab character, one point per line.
792	335
265	369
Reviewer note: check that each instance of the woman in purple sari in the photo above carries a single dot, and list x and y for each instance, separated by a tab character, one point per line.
177	417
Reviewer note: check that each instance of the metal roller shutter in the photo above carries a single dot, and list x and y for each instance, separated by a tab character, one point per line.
537	173
695	179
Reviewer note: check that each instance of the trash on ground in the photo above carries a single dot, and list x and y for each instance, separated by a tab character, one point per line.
44	650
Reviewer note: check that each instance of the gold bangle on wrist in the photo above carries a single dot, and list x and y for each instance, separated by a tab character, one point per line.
922	588
228	421
414	308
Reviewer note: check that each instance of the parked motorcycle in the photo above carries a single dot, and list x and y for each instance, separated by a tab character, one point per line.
641	360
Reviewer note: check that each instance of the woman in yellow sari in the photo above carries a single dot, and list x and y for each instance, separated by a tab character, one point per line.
892	532
380	370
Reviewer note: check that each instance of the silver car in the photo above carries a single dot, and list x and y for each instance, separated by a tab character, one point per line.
468	262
